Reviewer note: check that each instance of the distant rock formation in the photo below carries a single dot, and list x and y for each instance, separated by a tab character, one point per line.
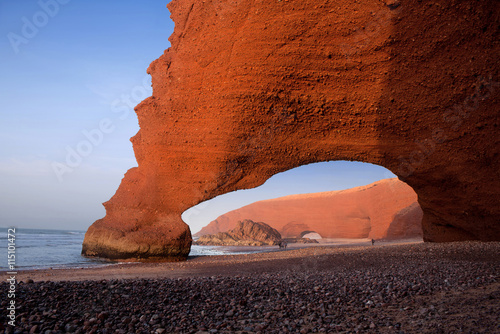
246	233
386	209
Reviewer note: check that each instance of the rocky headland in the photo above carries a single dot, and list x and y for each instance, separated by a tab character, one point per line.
386	209
245	233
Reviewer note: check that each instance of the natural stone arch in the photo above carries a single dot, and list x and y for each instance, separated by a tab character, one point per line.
252	88
305	233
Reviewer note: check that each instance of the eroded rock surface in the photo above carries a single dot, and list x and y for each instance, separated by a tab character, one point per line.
386	209
245	233
252	88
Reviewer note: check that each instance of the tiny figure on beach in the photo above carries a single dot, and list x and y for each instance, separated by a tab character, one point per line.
282	244
373	242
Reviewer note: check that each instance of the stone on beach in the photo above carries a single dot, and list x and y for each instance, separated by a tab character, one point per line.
245	233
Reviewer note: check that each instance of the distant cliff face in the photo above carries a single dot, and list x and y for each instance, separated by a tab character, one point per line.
384	209
245	233
249	89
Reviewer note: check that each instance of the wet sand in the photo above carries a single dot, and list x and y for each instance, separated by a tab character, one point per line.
211	265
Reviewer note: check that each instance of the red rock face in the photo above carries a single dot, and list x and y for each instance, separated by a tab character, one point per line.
252	88
386	209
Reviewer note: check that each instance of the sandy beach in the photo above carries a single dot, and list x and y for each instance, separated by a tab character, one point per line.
206	265
397	287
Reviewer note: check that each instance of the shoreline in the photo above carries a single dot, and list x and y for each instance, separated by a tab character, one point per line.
197	263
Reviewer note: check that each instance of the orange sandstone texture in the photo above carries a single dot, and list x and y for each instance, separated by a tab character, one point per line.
386	209
252	88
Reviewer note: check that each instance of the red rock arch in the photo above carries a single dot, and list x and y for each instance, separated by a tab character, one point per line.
304	233
252	88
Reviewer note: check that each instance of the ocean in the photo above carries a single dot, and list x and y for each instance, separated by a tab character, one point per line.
41	249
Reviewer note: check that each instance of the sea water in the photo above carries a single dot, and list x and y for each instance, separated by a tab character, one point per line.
41	249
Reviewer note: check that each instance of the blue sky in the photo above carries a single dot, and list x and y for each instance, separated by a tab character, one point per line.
71	72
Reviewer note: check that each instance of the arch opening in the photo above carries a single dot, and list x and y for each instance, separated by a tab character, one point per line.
311	235
319	201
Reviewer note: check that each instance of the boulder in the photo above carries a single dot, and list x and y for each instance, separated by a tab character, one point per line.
246	233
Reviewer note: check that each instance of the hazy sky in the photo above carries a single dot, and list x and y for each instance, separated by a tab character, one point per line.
71	72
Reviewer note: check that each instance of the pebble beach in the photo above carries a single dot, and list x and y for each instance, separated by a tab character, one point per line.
387	288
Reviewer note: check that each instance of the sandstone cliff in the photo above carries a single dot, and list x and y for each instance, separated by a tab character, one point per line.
245	233
385	209
249	89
